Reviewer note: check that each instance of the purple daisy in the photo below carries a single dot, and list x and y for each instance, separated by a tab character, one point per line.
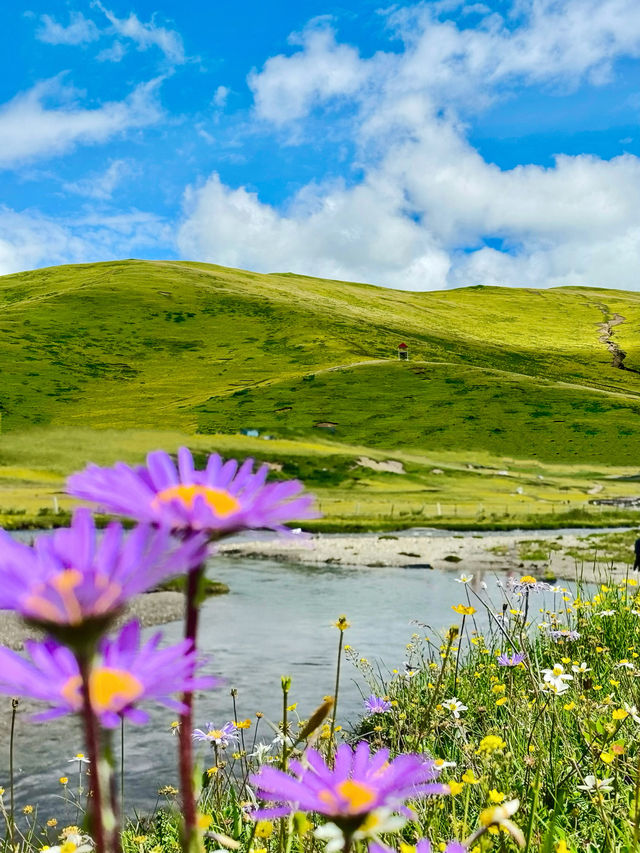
514	660
217	737
221	499
358	784
377	705
78	575
564	634
123	673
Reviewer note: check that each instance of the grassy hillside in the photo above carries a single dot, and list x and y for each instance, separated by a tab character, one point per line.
200	349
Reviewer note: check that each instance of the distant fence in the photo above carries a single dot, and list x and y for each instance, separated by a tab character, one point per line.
466	510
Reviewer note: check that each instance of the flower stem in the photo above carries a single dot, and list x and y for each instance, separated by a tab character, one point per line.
190	836
14	708
335	696
94	804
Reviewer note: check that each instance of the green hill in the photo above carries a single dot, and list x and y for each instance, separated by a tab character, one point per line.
201	349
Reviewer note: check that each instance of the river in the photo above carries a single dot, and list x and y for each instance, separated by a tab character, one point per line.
277	620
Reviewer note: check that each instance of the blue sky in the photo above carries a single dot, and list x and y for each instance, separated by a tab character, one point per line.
419	146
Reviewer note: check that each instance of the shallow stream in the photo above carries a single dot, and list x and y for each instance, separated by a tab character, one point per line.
277	620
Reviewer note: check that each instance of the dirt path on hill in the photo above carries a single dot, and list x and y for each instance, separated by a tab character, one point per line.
606	336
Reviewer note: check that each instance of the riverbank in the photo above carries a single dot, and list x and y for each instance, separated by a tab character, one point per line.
550	554
152	608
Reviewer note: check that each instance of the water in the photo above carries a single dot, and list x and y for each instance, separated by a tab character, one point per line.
277	620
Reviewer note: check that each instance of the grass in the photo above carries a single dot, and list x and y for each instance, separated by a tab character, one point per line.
352	496
107	360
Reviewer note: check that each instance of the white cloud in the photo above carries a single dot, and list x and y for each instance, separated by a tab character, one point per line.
30	129
115	53
29	239
220	96
346	234
101	186
428	204
289	86
147	35
79	30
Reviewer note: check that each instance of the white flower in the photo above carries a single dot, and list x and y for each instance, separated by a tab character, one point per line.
441	764
606	612
455	706
464	579
557	689
375	823
261	753
556	676
279	741
543	626
74	843
624	664
582	668
633	712
499	816
593	784
80	757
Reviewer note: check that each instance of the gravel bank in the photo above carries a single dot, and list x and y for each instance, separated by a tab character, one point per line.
466	553
153	608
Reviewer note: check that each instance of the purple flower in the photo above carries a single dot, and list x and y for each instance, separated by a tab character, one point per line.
220	499
422	846
514	660
527	584
218	737
77	575
564	634
358	784
123	673
377	705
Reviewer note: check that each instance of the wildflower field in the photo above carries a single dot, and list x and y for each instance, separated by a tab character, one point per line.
519	735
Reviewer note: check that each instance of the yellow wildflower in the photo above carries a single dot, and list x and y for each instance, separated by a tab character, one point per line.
342	623
463	609
455	788
469	777
490	744
264	829
495	796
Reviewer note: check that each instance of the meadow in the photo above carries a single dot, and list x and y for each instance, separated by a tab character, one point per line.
107	361
511	411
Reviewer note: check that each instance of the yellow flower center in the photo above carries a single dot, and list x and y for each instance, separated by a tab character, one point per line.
219	500
109	689
64	584
358	796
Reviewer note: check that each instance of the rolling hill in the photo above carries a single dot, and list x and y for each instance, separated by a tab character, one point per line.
199	349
